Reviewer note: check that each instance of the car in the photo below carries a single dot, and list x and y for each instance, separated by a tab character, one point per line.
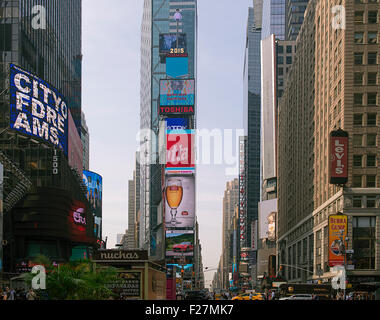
245	296
196	295
299	297
183	247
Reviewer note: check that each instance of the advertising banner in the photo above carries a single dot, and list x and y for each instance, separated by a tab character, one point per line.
128	285
254	235
37	109
173	44
177	123
78	223
267	218
94	184
180	243
242	192
180	156
337	226
177	67
179	202
338	169
177	97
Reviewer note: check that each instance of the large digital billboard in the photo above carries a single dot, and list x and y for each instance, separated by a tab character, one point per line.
267	219
179	201
180	243
177	123
177	97
177	67
94	184
37	109
180	156
173	44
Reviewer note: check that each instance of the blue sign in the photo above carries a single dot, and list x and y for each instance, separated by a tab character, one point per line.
177	123
177	92
37	109
177	67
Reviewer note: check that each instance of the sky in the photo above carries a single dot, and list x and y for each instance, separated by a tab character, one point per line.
111	103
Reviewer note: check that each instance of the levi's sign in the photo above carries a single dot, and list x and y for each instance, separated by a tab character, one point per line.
338	157
121	255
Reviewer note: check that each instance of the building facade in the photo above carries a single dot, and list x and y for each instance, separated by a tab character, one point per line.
295	10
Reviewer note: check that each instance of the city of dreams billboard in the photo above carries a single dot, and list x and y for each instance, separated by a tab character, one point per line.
37	109
177	97
180	243
179	201
94	184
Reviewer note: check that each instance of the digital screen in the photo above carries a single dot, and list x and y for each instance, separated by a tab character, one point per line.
177	67
94	184
78	222
177	123
37	109
179	202
180	243
170	46
177	93
180	156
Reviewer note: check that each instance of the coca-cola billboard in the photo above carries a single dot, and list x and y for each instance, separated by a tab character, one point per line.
338	169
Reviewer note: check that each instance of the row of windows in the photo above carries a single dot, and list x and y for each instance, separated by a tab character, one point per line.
371	98
370	160
372	37
280	60
372	78
359	58
371	140
364	181
371	119
372	17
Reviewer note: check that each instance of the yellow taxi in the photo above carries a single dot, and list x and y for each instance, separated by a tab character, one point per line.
245	296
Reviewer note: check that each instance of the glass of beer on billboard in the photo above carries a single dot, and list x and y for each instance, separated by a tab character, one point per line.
174	194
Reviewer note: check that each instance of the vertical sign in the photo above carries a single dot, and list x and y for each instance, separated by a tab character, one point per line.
338	169
337	234
242	192
254	235
1	216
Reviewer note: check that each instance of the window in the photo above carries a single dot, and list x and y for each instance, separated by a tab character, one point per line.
358	99
357	202
364	238
371	98
371	202
371	160
280	71
371	140
371	119
372	37
371	181
358	119
372	17
288	49
358	58
280	49
6	37
372	58
358	160
359	16
280	60
372	78
358	78
359	37
288	60
358	140
357	181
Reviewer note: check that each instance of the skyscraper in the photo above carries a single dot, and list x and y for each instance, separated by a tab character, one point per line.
273	21
295	10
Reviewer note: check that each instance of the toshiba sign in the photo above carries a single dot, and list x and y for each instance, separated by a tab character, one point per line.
338	157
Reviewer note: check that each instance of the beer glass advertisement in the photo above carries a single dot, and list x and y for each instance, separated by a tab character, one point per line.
180	243
94	184
37	109
179	202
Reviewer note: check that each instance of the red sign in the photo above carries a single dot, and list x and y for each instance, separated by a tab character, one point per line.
338	157
180	151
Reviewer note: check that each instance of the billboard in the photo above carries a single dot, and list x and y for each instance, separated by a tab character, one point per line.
242	192
337	226
180	243
75	147
37	109
173	44
177	123
180	156
338	169
179	201
94	184
78	221
177	67
254	235
267	218
177	97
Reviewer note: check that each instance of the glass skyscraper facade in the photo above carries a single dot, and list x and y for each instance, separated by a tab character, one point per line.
273	21
158	19
295	10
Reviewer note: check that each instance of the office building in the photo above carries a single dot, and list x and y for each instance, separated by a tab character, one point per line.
85	137
295	10
273	21
333	84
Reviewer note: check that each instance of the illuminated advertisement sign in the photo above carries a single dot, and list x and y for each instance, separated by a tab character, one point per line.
177	97
337	226
177	123
242	192
177	67
254	235
37	109
338	168
94	184
179	201
180	151
78	222
173	45
267	218
179	243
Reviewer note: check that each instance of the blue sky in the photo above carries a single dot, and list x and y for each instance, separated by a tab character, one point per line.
111	102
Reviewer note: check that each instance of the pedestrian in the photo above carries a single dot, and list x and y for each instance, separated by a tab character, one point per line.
31	295
273	295
12	294
250	296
